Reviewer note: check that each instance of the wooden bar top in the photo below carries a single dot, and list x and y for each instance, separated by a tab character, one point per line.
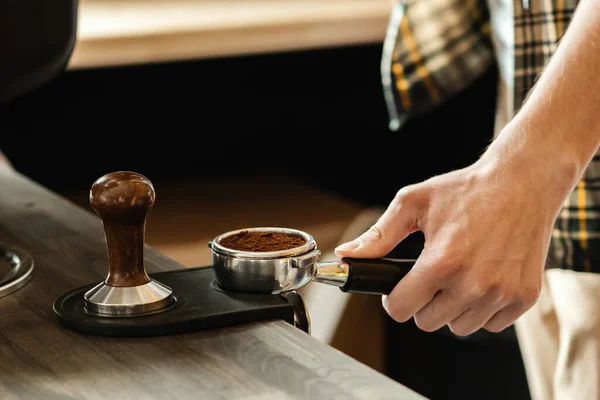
42	360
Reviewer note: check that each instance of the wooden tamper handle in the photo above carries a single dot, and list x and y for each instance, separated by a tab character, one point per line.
123	201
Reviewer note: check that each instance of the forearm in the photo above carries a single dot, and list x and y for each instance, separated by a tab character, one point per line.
557	131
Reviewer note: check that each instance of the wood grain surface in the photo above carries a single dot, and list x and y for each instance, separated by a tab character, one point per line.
41	360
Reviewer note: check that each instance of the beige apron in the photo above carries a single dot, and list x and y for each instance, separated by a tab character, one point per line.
559	338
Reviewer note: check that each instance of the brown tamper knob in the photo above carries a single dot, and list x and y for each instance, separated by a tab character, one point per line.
123	200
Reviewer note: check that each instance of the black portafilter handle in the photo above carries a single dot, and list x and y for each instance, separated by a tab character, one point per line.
364	275
375	275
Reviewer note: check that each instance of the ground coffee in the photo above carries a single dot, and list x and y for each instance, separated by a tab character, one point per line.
262	241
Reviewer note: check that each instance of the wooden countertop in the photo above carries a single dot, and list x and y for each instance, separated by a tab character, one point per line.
123	32
40	359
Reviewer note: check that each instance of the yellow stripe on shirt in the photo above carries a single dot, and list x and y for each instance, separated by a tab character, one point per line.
416	58
560	26
583	233
401	85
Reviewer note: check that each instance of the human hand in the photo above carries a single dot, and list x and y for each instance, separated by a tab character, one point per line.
487	230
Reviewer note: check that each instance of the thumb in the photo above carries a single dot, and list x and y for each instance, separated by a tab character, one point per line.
399	220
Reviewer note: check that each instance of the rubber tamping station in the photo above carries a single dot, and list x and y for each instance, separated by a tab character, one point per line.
123	200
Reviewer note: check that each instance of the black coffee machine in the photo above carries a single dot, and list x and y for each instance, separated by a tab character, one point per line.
37	38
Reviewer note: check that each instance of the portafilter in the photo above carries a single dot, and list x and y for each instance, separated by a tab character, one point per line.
282	271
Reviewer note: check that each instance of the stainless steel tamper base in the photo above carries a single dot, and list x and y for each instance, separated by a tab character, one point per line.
128	301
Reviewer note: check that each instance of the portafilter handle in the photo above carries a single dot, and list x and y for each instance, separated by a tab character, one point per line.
123	200
363	275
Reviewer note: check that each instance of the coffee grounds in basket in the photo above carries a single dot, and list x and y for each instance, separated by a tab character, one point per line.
262	241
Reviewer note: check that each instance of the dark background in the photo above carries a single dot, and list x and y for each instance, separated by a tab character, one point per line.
317	115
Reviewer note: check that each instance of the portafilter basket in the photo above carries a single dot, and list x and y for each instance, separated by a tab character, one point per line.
279	272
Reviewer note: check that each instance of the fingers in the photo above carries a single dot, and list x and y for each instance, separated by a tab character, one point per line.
527	296
436	297
491	313
445	308
414	291
471	321
504	318
441	310
398	221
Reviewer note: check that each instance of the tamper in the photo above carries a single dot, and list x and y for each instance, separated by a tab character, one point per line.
123	200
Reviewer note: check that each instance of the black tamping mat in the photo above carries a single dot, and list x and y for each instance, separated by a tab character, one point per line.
198	305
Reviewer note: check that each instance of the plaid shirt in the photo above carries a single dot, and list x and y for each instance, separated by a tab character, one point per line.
436	48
